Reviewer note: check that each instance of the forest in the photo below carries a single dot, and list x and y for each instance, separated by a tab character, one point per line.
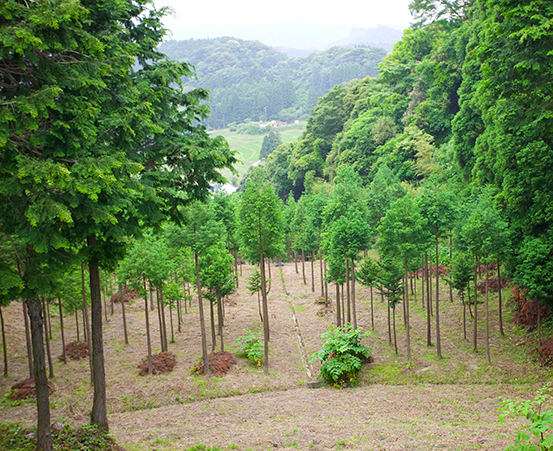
409	228
250	81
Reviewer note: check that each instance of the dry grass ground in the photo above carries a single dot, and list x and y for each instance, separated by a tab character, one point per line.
448	403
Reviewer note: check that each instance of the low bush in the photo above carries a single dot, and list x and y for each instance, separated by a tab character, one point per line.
250	346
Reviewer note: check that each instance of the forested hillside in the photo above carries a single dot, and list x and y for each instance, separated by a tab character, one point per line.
462	107
251	81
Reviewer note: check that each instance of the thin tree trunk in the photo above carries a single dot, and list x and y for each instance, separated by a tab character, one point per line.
77	326
303	266
438	339
4	346
148	336
338	309
171	322
178	314
353	306
343	298
28	339
475	318
465	318
488	357
105	306
389	325
123	314
326	287
86	325
236	268
321	265
407	328
287	247
49	317
348	291
372	309
295	253
266	334
270	278
161	338
451	263
220	321
501	331
259	306
44	433
162	304
202	319
468	295
212	322
312	272
62	332
422	283
152	297
394	324
47	339
428	304
429	281
99	407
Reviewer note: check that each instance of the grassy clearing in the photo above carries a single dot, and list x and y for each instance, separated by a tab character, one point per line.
249	146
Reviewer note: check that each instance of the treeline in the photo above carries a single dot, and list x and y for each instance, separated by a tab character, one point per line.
461	108
251	81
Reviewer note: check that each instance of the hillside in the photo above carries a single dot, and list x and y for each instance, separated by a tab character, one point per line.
252	81
449	403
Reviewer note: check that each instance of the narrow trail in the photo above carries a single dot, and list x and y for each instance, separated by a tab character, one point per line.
303	353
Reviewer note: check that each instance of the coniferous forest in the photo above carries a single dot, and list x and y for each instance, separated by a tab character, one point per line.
410	228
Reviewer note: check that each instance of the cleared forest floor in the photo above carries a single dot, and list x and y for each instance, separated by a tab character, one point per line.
449	403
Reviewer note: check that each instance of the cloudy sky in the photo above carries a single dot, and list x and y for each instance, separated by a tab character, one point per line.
201	19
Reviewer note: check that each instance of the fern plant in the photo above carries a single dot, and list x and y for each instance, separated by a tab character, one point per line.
250	346
341	355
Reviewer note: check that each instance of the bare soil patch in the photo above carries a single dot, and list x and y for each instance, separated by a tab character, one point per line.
219	364
26	389
164	362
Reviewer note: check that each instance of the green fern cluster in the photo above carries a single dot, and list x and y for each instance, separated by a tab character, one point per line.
341	355
250	346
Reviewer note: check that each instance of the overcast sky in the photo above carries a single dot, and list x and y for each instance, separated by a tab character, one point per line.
191	17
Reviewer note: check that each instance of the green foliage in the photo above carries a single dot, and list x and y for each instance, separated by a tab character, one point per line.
538	435
14	437
254	282
341	355
252	81
391	279
269	144
250	346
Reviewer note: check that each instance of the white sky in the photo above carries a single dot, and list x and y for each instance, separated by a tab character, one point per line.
362	13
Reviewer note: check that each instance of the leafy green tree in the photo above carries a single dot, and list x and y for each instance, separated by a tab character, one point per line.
367	274
262	232
269	144
403	236
391	277
460	275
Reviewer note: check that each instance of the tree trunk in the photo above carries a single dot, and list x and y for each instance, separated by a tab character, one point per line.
288	247
220	321
212	322
372	309
303	266
475	328
488	357
4	346
348	291
295	253
353	306
338	309
148	336
321	264
99	407
468	300
438	339
28	340
162	341
162	304
270	277
152	297
312	272
394	324
266	335
407	329
178	314
429	281
451	263
86	325
326	288
47	339
62	332
77	325
171	322
501	331
236	268
428	304
44	433
202	319
123	314
389	325
49	317
465	319
422	283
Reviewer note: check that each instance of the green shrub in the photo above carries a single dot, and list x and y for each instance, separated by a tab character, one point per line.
250	346
541	422
341	355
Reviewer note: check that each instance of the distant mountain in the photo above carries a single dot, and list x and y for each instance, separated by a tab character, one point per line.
249	80
296	53
378	37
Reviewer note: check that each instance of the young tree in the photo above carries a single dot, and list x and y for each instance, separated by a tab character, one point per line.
262	232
